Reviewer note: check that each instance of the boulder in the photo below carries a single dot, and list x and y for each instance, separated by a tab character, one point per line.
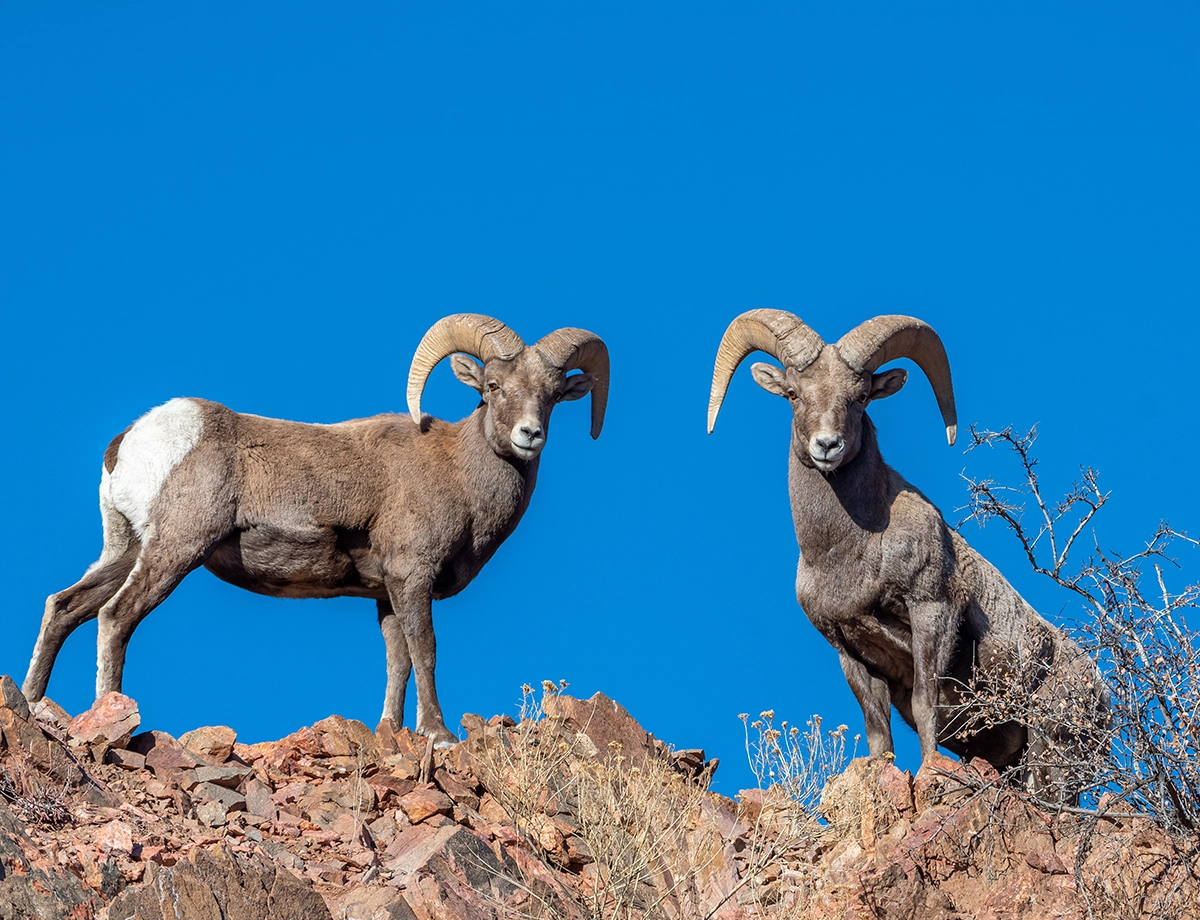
212	742
208	886
110	723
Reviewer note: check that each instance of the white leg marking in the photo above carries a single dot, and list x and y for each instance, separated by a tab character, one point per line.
152	448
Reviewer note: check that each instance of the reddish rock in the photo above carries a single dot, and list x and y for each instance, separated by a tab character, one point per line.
348	738
606	723
116	837
387	785
385	734
127	760
424	802
110	722
258	799
165	757
459	791
230	777
212	742
372	901
50	713
492	811
935	782
214	887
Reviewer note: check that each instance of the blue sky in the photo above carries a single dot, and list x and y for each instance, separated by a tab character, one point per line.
268	205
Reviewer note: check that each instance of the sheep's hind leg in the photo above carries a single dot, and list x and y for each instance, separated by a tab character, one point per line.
399	664
67	610
933	641
156	574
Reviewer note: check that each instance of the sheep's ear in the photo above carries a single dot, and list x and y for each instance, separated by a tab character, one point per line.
467	371
771	378
888	383
578	386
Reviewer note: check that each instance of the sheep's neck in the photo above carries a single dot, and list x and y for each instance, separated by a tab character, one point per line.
499	488
850	502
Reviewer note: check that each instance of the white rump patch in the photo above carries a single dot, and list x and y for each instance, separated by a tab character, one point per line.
152	448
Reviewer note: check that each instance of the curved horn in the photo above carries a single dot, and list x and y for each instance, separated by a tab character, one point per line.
885	338
571	349
782	335
472	333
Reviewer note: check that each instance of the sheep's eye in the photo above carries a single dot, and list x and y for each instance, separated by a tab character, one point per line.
791	394
493	387
558	395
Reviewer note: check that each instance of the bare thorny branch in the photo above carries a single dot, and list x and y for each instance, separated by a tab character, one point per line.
1135	629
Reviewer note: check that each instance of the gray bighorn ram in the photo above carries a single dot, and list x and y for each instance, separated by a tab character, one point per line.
404	510
909	606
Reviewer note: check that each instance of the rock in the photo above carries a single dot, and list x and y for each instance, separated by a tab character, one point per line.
458	791
127	760
323	804
935	782
31	885
385	734
116	837
373	902
212	814
212	742
259	801
606	723
386	785
210	792
165	757
230	777
424	802
19	731
13	699
215	887
348	738
110	723
49	712
868	799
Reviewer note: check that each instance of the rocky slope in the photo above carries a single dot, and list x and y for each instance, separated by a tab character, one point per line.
577	812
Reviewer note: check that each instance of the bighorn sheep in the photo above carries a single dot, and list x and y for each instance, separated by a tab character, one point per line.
911	609
403	510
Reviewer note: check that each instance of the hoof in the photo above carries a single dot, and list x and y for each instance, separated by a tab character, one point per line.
440	736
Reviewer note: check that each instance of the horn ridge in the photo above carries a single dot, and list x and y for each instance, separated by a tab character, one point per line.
571	349
778	333
479	336
877	341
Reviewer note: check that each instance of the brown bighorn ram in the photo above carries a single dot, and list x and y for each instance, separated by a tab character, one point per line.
404	510
910	607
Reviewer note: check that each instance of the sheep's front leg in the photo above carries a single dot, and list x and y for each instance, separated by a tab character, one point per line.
412	605
934	635
871	690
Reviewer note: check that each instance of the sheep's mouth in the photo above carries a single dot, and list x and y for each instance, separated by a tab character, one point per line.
826	466
526	452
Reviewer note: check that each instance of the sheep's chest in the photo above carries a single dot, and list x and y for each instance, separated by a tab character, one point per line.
869	622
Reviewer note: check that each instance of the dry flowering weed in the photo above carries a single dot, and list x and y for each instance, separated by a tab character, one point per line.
792	766
635	831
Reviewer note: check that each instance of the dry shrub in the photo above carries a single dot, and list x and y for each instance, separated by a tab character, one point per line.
634	833
1144	764
35	798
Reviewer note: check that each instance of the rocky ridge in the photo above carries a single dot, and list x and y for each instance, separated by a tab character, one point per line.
576	813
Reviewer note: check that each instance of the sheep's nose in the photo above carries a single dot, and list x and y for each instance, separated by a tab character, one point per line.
531	432
828	442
